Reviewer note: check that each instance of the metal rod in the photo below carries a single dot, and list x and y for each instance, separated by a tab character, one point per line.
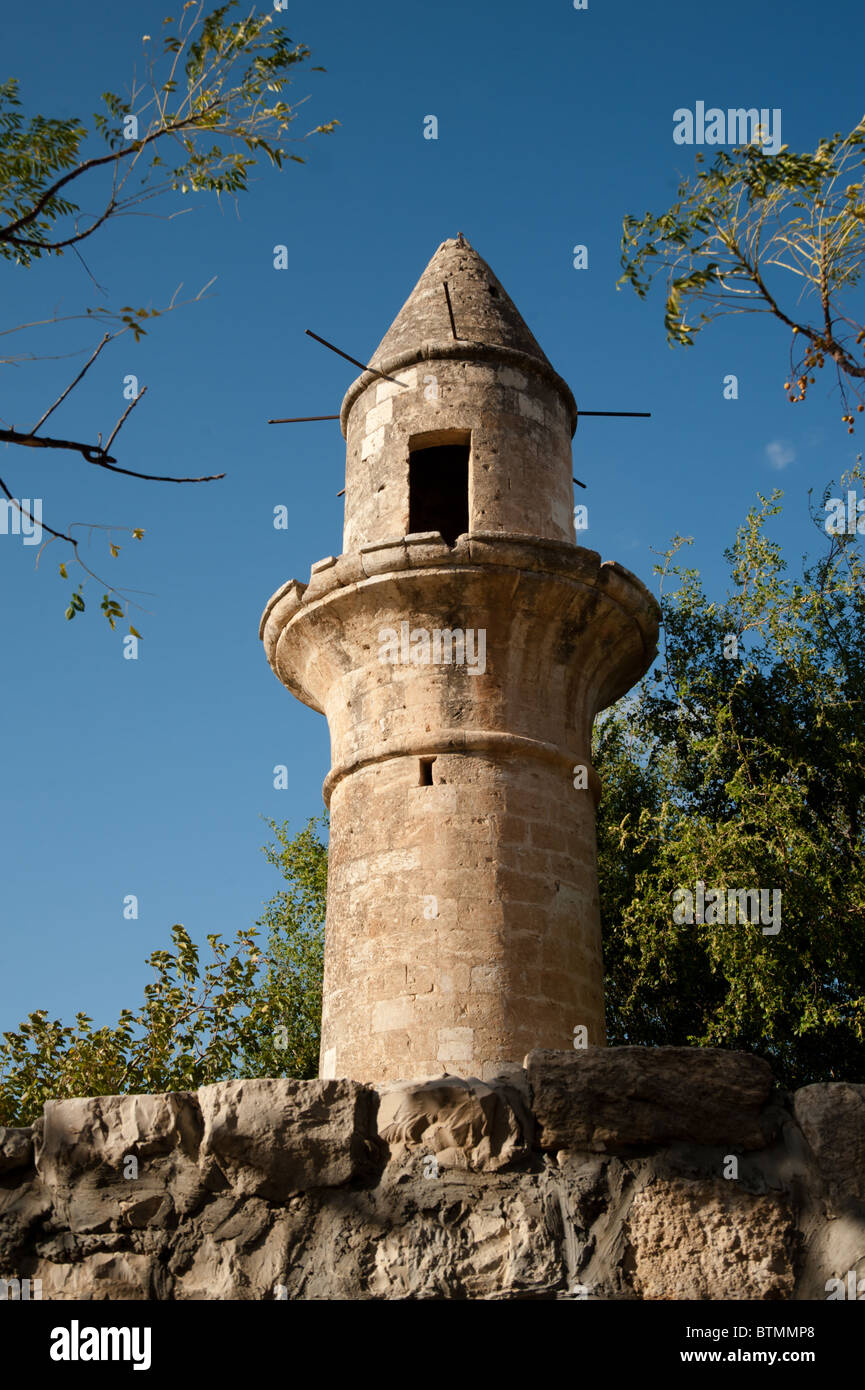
341	494
299	419
450	308
578	483
303	419
339	352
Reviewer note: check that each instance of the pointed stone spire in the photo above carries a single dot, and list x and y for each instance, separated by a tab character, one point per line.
483	311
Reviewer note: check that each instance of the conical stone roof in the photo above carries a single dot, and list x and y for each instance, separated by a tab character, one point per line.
483	311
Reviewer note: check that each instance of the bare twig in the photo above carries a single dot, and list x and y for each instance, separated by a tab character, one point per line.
101	288
117	428
62	397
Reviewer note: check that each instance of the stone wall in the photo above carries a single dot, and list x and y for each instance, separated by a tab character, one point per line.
611	1173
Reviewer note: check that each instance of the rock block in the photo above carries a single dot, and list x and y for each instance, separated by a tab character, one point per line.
832	1118
608	1098
270	1137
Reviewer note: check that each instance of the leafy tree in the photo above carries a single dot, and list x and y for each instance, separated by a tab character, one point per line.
290	993
782	234
185	1035
247	1013
744	772
211	105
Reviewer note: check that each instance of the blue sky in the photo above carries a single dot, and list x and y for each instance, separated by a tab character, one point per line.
150	777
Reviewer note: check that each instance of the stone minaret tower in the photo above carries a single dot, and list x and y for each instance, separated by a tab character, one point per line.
460	648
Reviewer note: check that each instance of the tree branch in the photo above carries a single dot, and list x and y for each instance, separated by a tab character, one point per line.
61	398
9	233
43	526
91	452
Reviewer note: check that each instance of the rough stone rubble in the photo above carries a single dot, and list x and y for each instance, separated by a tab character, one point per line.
594	1174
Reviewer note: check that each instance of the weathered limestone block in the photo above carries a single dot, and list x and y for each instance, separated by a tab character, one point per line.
114	1277
710	1240
249	1265
605	1099
831	1244
382	556
470	1242
457	1235
16	1148
84	1150
24	1203
427	548
269	1138
832	1118
463	1124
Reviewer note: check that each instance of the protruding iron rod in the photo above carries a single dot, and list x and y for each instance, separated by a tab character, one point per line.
450	308
339	352
301	419
578	483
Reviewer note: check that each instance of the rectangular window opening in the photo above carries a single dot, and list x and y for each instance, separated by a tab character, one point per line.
439	485
426	778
